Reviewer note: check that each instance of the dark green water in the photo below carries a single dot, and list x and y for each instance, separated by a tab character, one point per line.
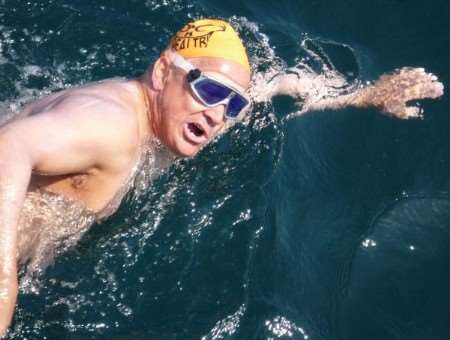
331	226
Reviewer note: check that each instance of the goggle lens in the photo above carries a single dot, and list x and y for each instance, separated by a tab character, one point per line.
236	105
211	92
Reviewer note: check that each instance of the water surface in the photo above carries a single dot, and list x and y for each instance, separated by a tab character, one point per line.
331	226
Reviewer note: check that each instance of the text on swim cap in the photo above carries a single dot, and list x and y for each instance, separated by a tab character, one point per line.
192	36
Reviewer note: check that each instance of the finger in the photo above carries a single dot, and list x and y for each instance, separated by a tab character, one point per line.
434	90
429	89
411	71
412	112
406	112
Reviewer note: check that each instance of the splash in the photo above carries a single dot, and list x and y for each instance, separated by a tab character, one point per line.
227	326
281	327
312	79
51	224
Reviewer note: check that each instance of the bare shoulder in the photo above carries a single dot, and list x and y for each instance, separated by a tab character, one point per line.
108	108
111	99
96	125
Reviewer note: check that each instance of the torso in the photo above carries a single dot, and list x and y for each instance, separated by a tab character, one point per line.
94	191
59	209
53	222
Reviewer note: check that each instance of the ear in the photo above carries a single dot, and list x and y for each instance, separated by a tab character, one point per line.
160	72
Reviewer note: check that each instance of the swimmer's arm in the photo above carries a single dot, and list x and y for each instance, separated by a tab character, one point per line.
390	93
15	171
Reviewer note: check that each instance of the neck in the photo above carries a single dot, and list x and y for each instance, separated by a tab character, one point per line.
148	120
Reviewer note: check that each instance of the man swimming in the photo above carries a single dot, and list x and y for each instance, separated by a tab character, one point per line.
68	159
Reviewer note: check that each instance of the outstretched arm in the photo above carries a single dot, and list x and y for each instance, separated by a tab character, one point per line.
390	93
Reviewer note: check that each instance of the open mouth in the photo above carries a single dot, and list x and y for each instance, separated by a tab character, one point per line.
195	133
196	129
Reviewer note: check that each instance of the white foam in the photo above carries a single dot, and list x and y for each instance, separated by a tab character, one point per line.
280	326
227	326
175	5
272	76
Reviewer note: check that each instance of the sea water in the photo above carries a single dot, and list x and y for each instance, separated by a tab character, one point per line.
333	225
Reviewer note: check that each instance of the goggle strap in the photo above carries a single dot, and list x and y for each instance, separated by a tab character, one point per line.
182	63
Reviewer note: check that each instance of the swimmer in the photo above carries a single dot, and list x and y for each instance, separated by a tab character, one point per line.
68	159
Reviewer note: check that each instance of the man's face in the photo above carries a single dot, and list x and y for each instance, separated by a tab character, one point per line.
184	124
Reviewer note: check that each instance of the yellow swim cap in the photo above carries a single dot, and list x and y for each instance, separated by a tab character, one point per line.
210	38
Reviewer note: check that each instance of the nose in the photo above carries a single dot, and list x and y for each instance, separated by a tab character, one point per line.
215	115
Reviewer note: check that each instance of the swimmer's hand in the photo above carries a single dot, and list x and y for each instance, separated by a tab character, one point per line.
392	92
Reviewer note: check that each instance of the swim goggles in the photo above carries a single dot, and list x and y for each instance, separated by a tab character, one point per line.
212	92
